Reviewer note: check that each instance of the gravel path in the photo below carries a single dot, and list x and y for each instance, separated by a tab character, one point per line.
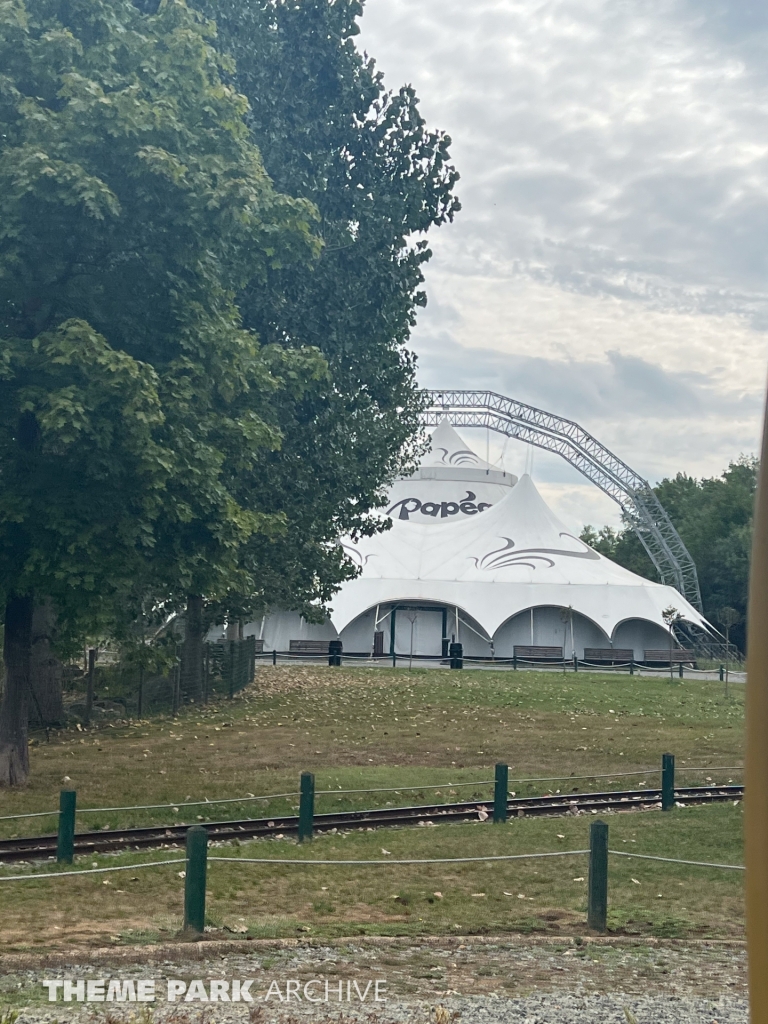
447	981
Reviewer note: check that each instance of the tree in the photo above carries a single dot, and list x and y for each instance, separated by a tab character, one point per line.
82	478
714	518
671	616
329	132
133	208
45	668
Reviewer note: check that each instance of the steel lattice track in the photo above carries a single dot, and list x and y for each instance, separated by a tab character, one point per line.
635	496
155	836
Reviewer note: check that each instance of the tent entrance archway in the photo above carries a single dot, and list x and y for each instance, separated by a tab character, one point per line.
418	630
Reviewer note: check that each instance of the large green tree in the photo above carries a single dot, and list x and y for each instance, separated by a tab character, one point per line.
714	519
82	480
134	207
330	132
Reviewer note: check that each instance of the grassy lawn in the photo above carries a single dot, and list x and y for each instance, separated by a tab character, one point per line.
532	896
358	728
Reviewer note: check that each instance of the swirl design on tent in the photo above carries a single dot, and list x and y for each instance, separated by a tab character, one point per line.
356	555
463	457
504	557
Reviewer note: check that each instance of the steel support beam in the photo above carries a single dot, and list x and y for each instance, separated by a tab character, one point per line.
635	496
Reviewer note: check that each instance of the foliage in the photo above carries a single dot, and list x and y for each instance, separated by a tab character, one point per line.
330	133
714	519
134	205
83	474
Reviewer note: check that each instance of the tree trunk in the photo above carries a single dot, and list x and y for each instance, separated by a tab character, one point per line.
46	706
14	749
192	650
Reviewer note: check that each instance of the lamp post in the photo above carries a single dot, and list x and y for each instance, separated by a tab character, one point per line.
728	617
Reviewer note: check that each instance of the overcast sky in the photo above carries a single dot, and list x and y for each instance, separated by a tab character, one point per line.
609	263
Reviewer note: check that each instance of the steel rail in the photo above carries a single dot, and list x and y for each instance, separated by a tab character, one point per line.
634	495
158	836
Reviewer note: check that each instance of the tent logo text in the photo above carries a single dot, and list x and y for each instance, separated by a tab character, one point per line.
410	506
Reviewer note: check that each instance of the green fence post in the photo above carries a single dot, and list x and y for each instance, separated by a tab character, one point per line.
65	848
575	663
306	806
274	657
722	673
597	906
500	793
194	881
680	670
667	781
632	667
514	662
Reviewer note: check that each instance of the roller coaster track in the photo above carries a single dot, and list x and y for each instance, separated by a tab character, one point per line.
634	495
157	836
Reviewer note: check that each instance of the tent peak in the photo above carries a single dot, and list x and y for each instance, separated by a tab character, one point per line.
449	450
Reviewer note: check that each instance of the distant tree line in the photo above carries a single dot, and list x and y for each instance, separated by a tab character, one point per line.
714	519
212	243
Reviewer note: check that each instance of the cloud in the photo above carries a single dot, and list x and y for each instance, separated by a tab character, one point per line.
660	422
629	140
610	262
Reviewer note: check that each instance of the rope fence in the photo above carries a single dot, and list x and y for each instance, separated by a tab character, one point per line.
256	798
197	859
675	860
389	862
405	789
549	664
250	798
32	877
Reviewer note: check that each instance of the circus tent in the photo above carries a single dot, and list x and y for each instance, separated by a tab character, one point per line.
476	555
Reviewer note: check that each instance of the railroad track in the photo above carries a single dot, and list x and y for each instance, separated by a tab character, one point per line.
156	836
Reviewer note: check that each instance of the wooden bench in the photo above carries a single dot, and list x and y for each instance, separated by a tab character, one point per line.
258	645
609	655
539	653
679	656
308	646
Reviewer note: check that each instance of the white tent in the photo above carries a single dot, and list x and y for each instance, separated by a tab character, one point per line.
475	555
451	481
